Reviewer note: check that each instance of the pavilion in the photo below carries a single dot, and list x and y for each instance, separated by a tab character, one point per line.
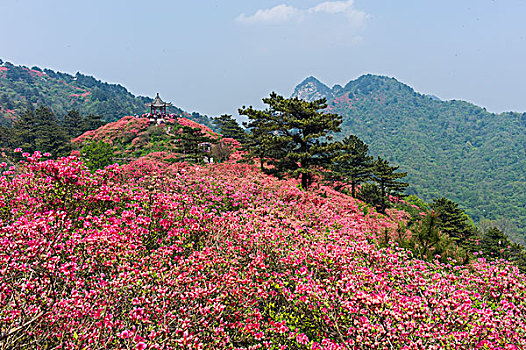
158	110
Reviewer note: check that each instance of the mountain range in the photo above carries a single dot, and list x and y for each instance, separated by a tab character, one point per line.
448	148
23	87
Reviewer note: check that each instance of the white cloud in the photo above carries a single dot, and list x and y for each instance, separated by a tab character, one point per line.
285	13
277	14
332	7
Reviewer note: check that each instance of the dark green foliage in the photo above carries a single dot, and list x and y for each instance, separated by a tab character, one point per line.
291	133
428	242
371	194
448	148
423	235
454	222
76	124
192	144
228	127
387	181
97	155
72	122
39	130
91	122
451	233
5	136
496	245
351	163
261	143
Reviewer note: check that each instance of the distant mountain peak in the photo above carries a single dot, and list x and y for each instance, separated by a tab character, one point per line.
312	89
445	146
369	83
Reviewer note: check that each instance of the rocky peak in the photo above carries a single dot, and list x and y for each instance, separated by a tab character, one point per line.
312	89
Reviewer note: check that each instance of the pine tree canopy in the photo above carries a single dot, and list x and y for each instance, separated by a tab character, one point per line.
351	164
39	130
453	221
292	135
229	127
388	180
191	143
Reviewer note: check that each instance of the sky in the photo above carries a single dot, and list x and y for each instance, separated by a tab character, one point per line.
215	56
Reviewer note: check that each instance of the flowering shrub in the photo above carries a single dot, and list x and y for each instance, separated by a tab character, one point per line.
111	131
204	129
136	136
157	256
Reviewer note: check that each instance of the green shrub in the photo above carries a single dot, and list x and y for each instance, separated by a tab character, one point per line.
97	155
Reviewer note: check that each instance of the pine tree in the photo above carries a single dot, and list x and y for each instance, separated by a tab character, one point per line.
73	123
454	222
229	127
192	143
39	130
351	164
261	143
371	194
5	136
495	244
387	180
427	241
292	134
25	130
51	137
91	122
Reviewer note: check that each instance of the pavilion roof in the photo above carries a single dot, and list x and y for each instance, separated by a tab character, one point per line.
157	102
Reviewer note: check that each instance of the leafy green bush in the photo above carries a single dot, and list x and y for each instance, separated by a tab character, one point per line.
97	155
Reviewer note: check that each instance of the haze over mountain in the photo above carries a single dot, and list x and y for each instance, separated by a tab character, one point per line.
449	148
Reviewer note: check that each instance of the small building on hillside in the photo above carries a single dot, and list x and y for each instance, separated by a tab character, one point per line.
158	110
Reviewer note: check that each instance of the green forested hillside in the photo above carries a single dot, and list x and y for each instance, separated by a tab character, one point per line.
449	148
23	88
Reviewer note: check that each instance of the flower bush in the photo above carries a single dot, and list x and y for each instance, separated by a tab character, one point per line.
136	136
152	255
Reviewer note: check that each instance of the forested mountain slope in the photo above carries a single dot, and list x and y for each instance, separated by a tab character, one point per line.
22	88
449	148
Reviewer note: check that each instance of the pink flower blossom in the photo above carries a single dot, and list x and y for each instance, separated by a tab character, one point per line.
172	255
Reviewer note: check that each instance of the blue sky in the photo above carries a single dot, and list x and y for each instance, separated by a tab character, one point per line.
215	56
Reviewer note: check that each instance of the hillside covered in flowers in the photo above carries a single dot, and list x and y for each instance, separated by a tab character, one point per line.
134	136
152	255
